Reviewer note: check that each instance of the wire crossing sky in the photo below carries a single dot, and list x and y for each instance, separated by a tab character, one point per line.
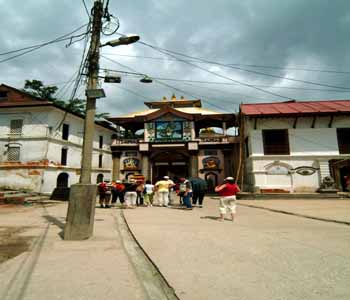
291	49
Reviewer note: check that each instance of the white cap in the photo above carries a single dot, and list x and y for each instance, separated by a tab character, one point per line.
166	177
118	181
229	178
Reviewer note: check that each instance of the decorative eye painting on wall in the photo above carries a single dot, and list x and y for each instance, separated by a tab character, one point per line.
169	130
305	170
211	163
131	164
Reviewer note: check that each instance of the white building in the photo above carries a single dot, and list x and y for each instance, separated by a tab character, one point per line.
41	144
292	146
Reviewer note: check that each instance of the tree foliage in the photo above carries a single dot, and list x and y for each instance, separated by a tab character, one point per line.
39	90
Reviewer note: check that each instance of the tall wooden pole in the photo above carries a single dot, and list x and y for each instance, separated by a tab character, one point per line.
93	69
82	197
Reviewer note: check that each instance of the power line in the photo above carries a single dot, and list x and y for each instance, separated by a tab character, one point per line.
38	46
168	85
220	83
170	52
86	9
217	74
237	64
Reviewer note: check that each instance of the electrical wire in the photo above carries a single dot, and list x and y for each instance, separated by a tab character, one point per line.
217	74
168	85
170	53
224	83
86	9
237	64
36	47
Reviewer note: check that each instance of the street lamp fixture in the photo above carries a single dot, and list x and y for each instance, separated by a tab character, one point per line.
146	79
123	40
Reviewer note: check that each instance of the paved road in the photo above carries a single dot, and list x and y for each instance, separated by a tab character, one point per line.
263	255
338	210
98	268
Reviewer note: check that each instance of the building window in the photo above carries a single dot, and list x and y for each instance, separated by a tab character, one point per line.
16	126
276	142
210	152
101	142
64	152
100	158
246	146
3	95
13	153
65	132
343	135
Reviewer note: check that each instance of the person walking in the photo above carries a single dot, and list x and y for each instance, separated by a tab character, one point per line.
199	187
130	193
228	192
148	193
162	188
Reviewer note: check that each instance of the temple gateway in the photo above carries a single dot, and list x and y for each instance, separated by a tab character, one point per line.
177	138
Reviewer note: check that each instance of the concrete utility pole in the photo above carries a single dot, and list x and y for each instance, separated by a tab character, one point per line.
81	209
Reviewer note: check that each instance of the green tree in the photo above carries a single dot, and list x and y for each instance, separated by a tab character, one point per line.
38	89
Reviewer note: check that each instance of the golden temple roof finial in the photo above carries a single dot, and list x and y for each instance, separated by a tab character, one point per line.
173	97
164	98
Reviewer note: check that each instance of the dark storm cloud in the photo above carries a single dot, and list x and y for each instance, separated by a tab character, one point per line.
289	33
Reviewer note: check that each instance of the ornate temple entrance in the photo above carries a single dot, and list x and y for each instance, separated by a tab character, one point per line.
170	163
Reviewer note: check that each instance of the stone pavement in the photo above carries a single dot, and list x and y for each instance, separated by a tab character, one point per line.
262	255
98	268
329	210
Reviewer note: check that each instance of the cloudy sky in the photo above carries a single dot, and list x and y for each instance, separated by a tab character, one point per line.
277	50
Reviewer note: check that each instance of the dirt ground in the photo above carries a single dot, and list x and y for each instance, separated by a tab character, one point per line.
12	243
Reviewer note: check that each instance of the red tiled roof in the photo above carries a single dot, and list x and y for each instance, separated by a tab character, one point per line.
296	108
17	97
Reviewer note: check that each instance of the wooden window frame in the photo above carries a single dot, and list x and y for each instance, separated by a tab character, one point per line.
64	156
100	160
65	131
276	147
343	137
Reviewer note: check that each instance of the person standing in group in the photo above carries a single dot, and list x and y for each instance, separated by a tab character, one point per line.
118	192
108	195
187	194
228	192
102	189
199	187
162	188
130	193
148	193
139	190
171	189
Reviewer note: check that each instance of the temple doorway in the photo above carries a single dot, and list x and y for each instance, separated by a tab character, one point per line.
173	164
340	171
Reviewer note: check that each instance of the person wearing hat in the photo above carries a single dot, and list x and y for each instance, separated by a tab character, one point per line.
228	192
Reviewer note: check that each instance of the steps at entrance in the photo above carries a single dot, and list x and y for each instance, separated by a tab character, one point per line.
21	198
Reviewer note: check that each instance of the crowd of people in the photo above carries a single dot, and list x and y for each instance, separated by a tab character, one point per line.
189	190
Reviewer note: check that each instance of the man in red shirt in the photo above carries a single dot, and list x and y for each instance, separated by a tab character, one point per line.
228	192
